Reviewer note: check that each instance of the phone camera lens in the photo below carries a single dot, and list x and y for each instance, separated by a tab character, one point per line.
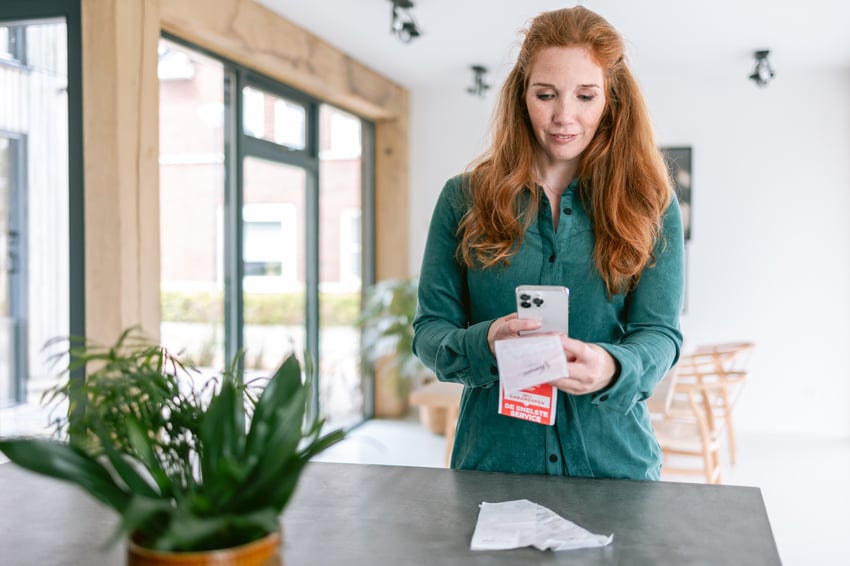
537	301
525	304
525	297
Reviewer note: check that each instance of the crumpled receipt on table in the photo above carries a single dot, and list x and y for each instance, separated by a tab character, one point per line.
515	524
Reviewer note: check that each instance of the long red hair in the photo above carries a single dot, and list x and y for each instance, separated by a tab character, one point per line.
622	176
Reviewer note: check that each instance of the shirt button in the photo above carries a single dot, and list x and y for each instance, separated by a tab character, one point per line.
568	211
552	258
553	458
604	398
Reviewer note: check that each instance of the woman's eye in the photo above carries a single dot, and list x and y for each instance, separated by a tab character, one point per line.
545	96
586	97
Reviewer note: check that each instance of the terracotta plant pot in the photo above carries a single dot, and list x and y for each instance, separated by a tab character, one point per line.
263	552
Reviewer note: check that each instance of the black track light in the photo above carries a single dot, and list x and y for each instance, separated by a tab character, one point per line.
403	25
479	86
763	72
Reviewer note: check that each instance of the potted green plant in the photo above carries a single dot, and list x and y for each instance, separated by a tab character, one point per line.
189	468
387	323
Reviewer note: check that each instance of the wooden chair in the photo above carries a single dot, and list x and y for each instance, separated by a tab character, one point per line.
693	405
725	363
693	432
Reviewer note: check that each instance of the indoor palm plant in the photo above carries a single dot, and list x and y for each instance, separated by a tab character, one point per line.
187	468
387	344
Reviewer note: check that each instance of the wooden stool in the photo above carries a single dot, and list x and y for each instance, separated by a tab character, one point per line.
441	395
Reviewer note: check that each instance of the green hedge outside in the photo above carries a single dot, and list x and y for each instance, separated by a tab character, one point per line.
336	309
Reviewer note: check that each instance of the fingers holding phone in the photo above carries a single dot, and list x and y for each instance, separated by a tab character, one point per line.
509	326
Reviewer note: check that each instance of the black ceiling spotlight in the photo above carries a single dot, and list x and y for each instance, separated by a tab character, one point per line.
403	25
763	72
479	87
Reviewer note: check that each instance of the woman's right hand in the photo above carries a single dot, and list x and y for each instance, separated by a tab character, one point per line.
508	326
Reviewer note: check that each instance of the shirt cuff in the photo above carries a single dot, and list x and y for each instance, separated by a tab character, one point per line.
622	394
482	363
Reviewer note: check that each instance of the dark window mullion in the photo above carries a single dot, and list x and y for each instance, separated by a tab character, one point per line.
312	251
233	264
76	190
367	255
271	151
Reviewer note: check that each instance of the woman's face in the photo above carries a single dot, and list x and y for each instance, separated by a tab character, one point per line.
565	100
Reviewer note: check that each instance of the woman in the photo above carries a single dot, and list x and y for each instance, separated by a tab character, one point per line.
572	192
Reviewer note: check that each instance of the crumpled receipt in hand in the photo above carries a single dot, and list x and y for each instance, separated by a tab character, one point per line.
515	524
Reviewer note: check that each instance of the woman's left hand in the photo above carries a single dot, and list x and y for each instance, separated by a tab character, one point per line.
591	368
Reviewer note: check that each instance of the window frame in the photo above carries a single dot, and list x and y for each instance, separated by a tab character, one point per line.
237	146
70	12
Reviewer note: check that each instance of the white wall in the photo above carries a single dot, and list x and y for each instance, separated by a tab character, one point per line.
448	128
769	259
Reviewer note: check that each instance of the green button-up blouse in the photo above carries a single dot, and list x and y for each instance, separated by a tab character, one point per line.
605	434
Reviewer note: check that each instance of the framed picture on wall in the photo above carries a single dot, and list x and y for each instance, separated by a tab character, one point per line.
678	161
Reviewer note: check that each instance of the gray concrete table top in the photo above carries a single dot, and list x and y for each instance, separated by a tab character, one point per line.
380	515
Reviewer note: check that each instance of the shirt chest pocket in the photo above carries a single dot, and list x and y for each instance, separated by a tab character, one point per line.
579	223
579	239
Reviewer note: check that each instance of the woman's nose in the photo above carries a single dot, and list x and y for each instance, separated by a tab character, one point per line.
564	112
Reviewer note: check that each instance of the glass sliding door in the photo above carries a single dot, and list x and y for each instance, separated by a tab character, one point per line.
12	271
340	265
191	192
274	263
277	180
38	172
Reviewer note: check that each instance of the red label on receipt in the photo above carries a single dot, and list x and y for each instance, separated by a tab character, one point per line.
536	404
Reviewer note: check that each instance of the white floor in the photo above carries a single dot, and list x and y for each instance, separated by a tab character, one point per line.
805	482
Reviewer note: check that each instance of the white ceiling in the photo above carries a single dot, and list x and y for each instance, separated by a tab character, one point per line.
660	34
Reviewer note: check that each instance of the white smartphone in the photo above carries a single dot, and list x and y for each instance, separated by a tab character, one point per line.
547	303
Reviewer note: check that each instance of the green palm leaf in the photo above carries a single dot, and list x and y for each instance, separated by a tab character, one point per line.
65	462
223	437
